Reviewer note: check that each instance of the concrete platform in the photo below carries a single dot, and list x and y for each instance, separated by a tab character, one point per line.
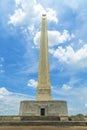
44	108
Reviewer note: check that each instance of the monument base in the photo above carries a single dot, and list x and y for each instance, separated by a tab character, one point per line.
44	108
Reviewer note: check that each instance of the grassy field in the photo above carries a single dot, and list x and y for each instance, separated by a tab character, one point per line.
40	128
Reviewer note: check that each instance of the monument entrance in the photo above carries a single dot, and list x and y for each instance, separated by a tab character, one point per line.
42	110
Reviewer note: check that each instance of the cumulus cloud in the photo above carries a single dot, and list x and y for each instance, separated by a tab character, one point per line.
32	83
29	13
71	57
55	37
4	92
66	87
18	17
10	101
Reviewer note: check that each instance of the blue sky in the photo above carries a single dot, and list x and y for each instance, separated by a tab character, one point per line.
20	23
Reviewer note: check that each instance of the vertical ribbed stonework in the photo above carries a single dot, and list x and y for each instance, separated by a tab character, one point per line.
43	88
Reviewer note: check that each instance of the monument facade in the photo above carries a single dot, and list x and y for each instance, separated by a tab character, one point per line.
44	105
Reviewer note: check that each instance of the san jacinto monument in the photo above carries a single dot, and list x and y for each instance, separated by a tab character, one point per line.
44	105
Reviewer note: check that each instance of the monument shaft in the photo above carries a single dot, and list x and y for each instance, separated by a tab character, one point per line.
43	88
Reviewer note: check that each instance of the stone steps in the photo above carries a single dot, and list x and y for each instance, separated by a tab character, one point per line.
41	118
42	123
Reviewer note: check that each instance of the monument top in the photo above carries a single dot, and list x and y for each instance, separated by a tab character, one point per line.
43	15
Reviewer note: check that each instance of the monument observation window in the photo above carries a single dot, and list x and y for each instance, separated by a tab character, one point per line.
42	111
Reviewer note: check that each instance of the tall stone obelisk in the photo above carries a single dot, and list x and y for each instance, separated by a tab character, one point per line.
43	88
43	105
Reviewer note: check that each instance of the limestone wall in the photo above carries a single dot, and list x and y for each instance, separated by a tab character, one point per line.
10	118
52	108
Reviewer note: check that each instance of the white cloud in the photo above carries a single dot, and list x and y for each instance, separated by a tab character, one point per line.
32	83
66	87
71	57
4	91
51	15
10	101
17	2
55	37
18	17
86	105
29	13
